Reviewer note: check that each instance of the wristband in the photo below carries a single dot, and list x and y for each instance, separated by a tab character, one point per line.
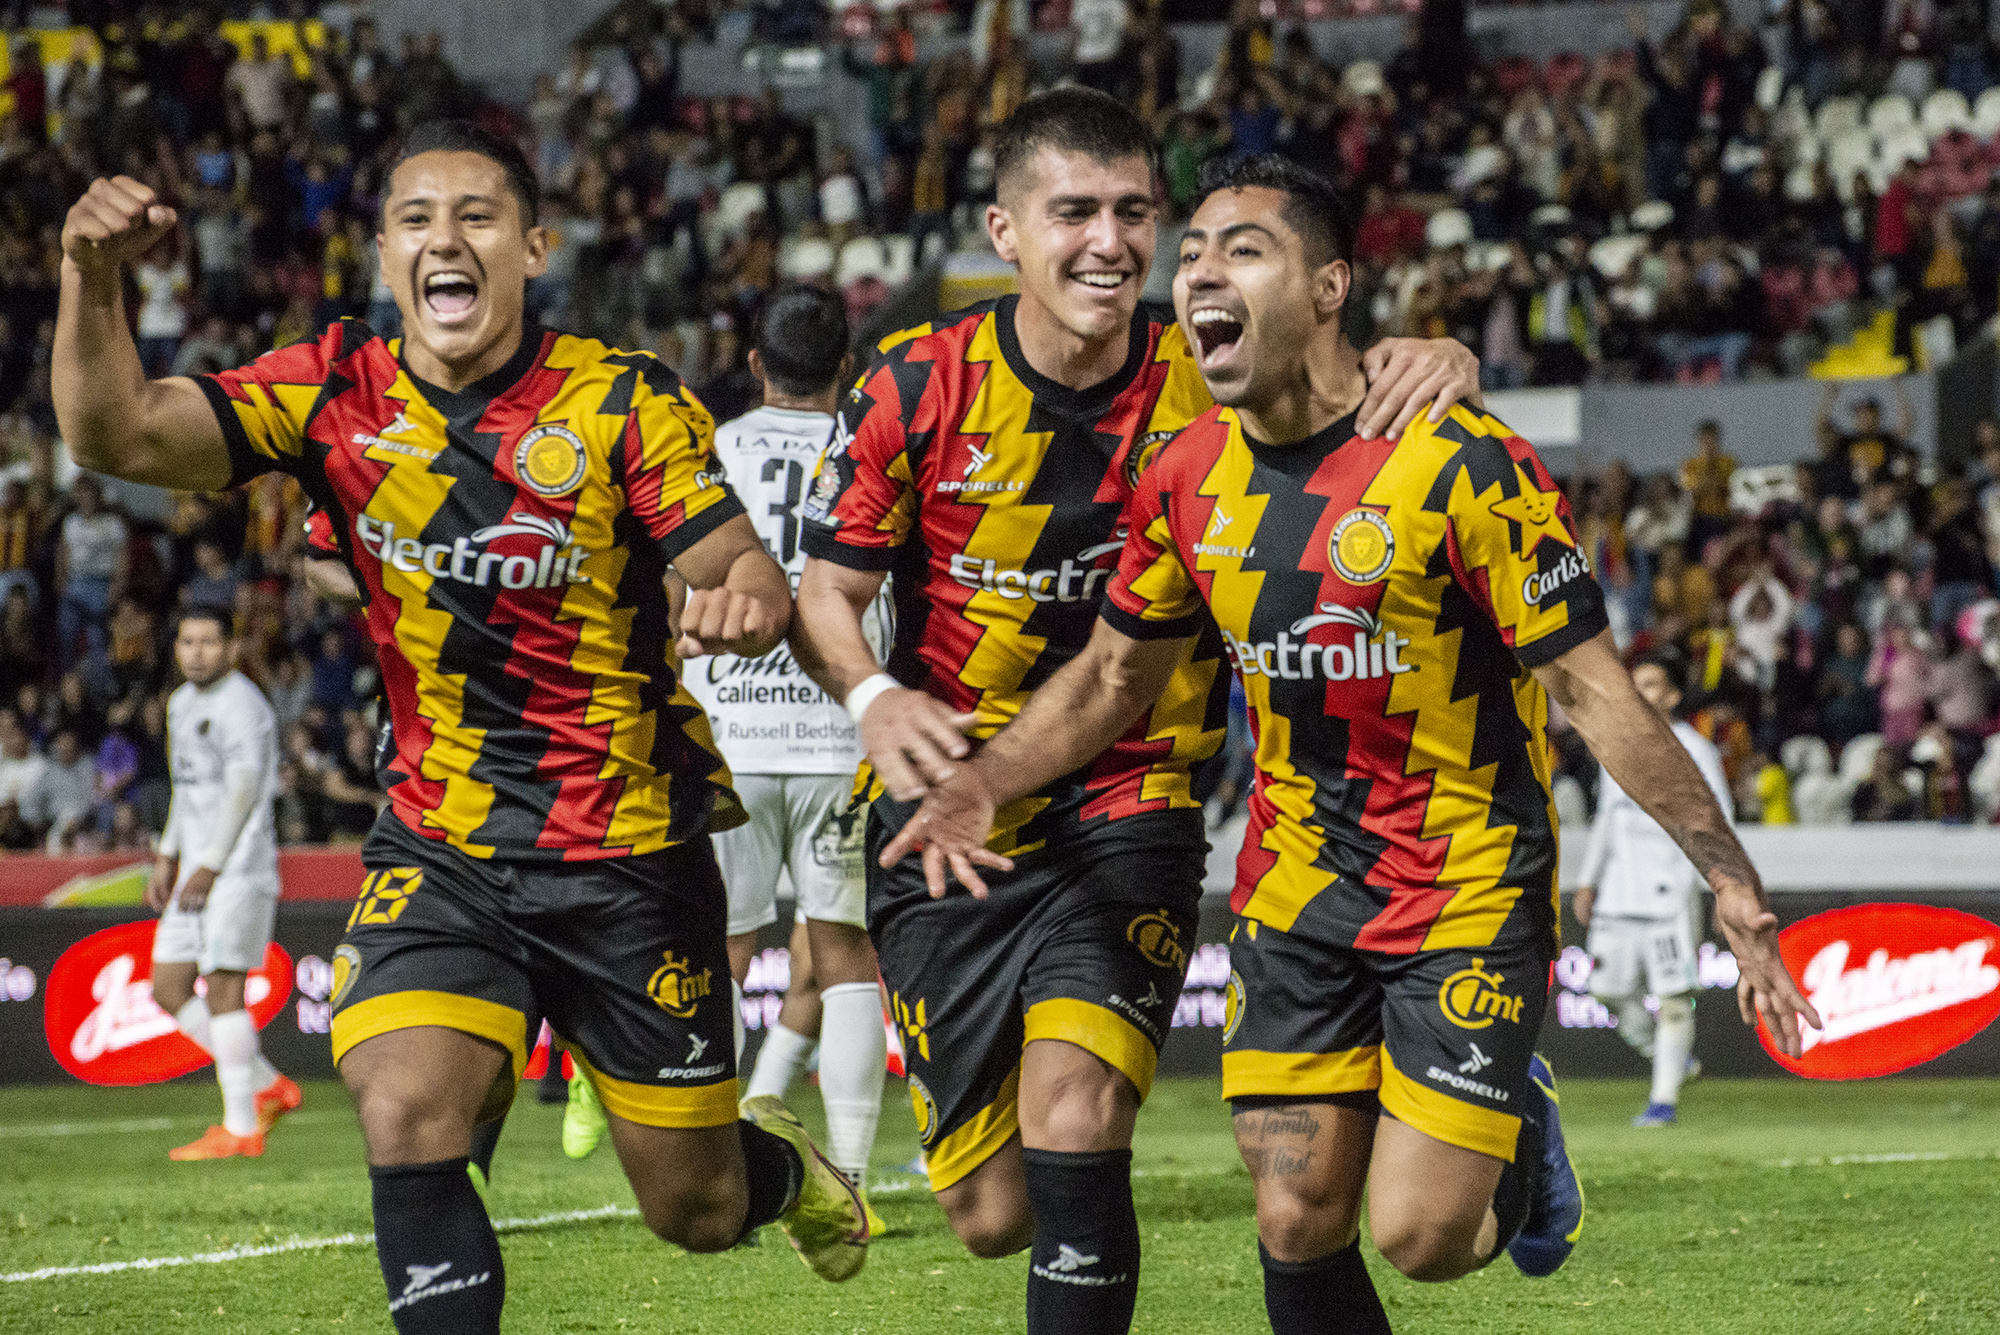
864	694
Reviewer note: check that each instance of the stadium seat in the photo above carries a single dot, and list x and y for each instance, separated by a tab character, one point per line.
1653	215
1850	152
863	257
806	259
1363	78
1891	111
1799	183
1612	256
1770	87
900	256
1857	758
738	204
1986	114
1448	228
1838	115
1550	216
1944	111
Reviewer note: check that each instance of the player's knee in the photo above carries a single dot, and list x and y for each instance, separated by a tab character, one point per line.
992	1234
1082	1107
403	1122
170	998
1676	1009
700	1216
1427	1249
1295	1226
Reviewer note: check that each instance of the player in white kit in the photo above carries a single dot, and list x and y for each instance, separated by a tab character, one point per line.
793	751
1641	899
215	880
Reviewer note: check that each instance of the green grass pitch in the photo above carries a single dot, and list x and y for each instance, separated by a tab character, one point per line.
1776	1206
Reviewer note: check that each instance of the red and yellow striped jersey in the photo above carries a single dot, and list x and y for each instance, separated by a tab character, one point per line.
1383	601
510	540
995	497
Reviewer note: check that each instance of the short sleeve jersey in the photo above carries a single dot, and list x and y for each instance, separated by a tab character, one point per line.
996	496
510	540
1383	601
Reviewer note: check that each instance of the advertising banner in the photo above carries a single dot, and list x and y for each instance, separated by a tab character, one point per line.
1904	983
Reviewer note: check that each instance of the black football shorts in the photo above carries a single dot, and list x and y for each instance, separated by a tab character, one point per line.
1443	1037
1087	943
623	956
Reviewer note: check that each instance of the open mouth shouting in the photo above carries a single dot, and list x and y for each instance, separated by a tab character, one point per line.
450	295
1217	334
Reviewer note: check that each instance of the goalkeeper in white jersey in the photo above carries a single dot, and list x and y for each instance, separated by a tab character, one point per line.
793	752
1641	899
215	880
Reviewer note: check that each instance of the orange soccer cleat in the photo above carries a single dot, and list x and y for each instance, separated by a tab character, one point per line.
218	1143
275	1100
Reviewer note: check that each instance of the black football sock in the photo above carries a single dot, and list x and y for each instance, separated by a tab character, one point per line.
1330	1296
485	1140
1514	1197
1083	1270
439	1256
775	1174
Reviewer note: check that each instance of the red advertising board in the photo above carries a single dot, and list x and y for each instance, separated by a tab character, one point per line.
103	1025
1896	985
103	879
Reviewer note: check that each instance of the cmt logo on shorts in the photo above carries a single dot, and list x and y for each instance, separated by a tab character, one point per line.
1471	998
926	1109
911	1022
1159	940
384	895
677	988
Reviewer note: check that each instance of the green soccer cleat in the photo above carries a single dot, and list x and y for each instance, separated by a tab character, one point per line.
584	1123
877	1226
828	1223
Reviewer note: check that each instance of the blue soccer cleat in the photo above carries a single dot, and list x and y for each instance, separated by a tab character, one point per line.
1657	1114
1555	1213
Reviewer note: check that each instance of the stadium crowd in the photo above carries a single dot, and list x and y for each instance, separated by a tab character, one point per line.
1698	206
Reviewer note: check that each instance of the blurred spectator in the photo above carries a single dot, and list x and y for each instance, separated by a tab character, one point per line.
64	793
90	567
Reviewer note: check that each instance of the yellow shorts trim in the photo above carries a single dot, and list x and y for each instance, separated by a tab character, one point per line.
447	1010
1302	1073
1442	1117
955	1155
662	1105
1101	1032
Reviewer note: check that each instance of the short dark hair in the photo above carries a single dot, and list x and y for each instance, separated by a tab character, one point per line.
802	339
1313	207
1671	664
453	135
1069	120
223	618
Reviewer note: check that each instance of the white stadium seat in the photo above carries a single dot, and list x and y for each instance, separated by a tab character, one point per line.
1448	228
1944	111
1986	114
1837	115
1891	111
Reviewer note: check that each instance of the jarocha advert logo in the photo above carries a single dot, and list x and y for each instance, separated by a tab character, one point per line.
101	1020
1895	984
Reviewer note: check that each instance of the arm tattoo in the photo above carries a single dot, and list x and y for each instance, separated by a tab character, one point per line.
1717	850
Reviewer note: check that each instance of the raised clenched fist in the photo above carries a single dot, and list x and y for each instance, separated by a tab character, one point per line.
117	220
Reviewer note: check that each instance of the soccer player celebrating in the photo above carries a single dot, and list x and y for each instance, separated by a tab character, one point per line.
510	499
1400	610
986	460
1640	899
215	880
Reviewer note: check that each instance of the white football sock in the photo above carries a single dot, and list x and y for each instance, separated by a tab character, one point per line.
852	1050
779	1061
236	1069
1635	1025
1676	1041
192	1020
736	1022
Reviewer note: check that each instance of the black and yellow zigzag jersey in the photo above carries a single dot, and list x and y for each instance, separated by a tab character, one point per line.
994	496
510	540
1383	602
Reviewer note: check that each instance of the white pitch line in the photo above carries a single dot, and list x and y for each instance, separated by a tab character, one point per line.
130	1125
1907	1156
303	1245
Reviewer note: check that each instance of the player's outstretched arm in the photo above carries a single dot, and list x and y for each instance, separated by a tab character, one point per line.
912	740
1073	717
738	601
1639	750
113	419
1404	374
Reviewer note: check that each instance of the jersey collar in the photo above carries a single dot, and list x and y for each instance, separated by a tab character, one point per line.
468	405
1301	456
1092	402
